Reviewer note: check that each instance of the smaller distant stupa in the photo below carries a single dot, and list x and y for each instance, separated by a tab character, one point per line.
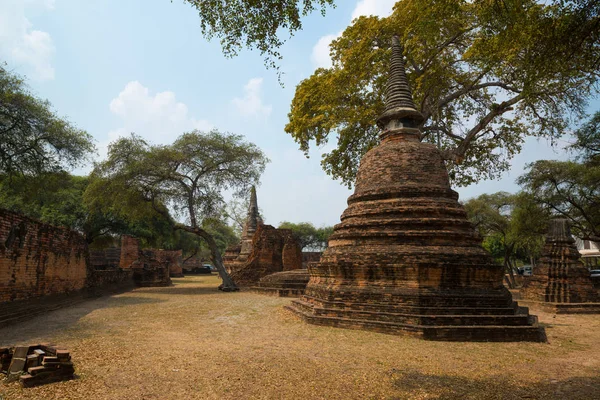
236	255
560	280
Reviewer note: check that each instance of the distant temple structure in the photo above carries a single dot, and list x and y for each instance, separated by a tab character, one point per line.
404	258
560	280
262	250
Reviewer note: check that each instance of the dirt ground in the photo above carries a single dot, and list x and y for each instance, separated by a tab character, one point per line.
190	341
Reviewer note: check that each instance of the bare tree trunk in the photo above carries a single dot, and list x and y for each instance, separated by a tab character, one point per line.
511	271
228	284
508	267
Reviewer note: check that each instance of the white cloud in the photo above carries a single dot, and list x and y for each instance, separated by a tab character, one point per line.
20	44
320	52
379	8
251	104
160	118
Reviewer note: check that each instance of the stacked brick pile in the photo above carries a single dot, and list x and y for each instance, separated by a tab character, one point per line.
405	258
560	279
36	364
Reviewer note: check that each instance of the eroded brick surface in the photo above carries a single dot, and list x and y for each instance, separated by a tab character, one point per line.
560	276
38	259
404	258
273	250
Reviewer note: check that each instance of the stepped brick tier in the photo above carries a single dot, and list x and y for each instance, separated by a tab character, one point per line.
36	364
560	281
273	250
284	284
405	259
310	256
236	255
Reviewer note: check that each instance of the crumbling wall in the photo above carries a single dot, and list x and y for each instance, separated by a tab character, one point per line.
38	259
273	250
130	249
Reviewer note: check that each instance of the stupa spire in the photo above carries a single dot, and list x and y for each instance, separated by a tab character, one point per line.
400	110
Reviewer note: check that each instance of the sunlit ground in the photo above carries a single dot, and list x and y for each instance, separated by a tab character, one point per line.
190	341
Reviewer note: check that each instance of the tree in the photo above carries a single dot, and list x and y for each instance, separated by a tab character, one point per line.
307	235
485	74
253	24
186	177
568	189
512	225
33	138
588	141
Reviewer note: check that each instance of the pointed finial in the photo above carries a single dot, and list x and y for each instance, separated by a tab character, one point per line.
399	105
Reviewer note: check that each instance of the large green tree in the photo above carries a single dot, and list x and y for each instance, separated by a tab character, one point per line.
485	74
308	236
187	177
512	225
33	138
568	189
571	189
254	24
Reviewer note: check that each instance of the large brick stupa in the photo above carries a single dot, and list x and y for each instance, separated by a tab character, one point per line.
404	258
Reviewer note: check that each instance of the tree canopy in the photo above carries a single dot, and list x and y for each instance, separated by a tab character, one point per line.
308	236
485	75
33	138
571	189
187	177
512	225
254	24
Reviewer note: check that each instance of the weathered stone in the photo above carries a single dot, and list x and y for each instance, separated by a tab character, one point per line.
284	284
404	258
56	365
560	277
263	250
273	250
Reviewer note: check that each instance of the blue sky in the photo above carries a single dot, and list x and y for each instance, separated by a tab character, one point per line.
119	66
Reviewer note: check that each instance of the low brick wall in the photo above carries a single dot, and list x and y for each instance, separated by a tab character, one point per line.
38	259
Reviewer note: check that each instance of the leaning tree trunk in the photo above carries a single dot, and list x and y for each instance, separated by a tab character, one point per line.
228	284
508	268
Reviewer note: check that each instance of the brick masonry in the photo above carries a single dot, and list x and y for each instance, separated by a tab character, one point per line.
273	250
560	276
38	259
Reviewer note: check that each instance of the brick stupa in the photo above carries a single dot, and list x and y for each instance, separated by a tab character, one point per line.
236	256
404	258
560	281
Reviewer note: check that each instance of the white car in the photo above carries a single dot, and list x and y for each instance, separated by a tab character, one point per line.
594	273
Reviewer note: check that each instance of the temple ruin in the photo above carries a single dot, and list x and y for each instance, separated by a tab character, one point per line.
560	281
404	259
263	250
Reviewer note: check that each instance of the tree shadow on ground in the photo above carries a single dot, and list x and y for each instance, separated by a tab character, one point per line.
447	387
180	290
48	324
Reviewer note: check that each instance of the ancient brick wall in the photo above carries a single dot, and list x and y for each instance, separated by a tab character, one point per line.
130	248
105	259
38	259
310	256
273	250
173	260
291	255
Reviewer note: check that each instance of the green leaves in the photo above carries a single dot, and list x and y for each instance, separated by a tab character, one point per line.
33	138
308	237
187	176
485	75
254	24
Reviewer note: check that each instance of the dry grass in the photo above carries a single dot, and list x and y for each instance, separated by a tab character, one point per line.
190	341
